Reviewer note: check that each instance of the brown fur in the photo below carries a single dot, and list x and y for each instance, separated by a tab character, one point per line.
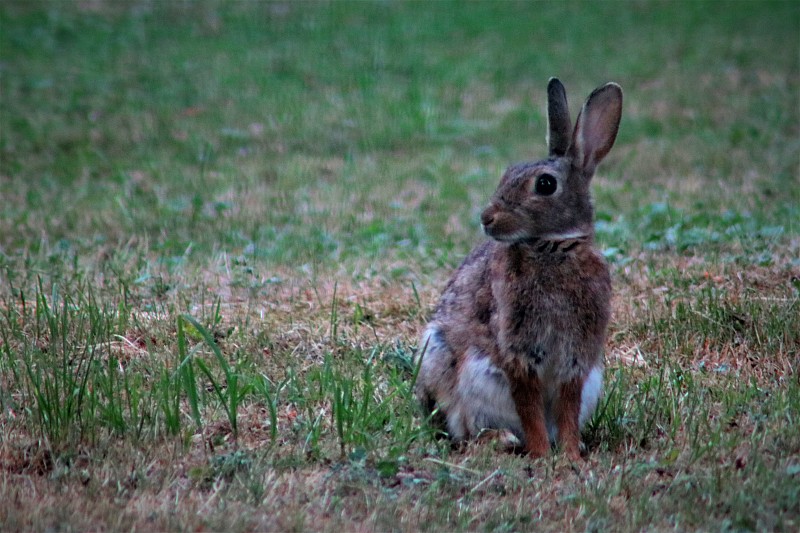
522	323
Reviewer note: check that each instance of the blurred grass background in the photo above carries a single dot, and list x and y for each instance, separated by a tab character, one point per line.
299	132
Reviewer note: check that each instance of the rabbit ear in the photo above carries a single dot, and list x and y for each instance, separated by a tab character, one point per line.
559	125
597	126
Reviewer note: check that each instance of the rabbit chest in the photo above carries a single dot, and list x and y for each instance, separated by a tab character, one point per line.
552	301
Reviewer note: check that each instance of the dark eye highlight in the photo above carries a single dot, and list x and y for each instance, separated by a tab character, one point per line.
545	185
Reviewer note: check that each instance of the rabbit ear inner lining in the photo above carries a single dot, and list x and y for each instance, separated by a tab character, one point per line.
597	127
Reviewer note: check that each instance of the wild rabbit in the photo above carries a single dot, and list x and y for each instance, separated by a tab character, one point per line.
516	341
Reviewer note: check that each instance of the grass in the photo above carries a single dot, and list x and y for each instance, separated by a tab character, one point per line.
224	225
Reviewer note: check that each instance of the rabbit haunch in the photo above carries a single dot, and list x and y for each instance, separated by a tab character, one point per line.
516	341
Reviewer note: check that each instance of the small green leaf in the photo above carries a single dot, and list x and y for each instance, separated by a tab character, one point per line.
387	468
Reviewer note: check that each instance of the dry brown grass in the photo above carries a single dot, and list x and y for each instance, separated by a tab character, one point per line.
172	484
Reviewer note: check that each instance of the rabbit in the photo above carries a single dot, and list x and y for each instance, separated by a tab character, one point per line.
516	340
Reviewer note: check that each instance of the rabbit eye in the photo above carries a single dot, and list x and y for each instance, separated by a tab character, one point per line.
545	185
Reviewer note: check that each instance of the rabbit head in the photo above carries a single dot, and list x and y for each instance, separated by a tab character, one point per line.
549	199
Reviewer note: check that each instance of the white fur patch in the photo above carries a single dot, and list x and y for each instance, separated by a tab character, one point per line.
575	234
427	343
485	396
592	389
515	236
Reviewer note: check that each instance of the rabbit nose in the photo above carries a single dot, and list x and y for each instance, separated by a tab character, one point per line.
487	217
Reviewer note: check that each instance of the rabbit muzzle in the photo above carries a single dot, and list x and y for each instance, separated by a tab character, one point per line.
491	221
502	225
487	217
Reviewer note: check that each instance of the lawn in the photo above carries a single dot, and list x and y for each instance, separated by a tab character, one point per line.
223	226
